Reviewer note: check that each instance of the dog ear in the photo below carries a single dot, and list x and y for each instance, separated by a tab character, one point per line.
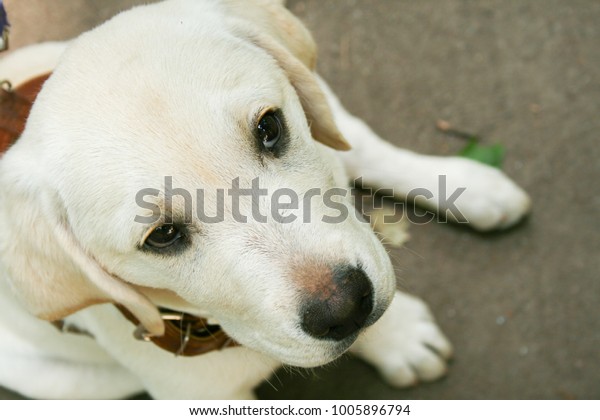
274	20
268	25
46	267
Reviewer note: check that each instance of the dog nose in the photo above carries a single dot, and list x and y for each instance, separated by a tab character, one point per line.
344	311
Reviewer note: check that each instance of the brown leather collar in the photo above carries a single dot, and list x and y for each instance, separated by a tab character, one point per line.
185	334
15	105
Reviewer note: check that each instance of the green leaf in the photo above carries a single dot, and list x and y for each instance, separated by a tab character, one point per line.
491	155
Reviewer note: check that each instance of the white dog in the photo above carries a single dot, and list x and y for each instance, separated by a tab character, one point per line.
205	92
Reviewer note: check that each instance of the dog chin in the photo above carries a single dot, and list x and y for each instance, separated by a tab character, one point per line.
315	355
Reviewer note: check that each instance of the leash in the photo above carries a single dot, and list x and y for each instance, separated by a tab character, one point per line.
185	334
4	25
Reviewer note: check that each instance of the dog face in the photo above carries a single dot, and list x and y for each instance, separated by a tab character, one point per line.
210	102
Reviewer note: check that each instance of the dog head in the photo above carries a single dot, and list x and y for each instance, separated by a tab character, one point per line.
153	126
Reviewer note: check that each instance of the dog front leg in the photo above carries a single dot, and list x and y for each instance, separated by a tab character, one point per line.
459	189
405	345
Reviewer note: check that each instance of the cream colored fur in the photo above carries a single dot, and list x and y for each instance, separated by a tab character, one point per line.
169	89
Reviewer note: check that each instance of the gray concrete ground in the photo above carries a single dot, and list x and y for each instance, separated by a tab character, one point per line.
523	307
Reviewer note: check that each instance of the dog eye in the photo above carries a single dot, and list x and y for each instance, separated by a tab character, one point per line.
163	237
269	130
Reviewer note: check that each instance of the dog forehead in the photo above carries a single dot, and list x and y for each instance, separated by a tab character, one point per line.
171	87
124	62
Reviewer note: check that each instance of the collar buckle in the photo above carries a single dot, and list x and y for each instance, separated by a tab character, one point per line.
185	334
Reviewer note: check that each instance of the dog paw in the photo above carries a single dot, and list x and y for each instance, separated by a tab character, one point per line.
489	199
405	345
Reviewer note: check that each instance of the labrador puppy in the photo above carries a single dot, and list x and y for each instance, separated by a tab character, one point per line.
205	95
